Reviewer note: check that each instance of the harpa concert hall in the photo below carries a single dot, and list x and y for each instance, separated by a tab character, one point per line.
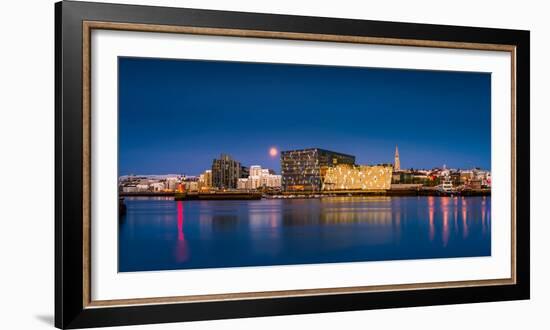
316	170
304	170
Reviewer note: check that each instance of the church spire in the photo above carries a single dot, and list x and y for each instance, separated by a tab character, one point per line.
396	162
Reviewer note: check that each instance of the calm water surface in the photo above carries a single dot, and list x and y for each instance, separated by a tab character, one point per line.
161	234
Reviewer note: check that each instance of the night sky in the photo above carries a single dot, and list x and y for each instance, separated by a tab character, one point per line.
175	116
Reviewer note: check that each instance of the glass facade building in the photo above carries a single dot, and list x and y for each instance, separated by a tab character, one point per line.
225	172
304	170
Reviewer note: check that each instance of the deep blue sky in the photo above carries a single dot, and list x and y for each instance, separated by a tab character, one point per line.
175	116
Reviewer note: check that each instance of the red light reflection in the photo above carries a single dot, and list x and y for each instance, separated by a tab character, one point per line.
182	253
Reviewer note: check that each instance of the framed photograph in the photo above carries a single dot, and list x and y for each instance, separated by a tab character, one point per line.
216	164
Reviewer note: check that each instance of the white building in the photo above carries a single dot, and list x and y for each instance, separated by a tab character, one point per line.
157	186
172	183
142	187
253	182
259	177
271	180
129	189
242	183
255	170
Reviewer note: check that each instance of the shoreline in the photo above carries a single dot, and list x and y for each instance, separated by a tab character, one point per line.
302	195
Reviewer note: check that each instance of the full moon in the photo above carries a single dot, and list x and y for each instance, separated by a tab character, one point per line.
273	152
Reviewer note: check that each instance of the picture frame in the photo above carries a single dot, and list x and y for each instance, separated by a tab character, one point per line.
74	24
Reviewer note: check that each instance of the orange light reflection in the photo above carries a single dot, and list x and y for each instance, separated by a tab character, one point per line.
431	211
464	218
445	208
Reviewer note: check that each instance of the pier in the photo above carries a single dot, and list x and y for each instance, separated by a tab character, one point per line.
256	195
225	195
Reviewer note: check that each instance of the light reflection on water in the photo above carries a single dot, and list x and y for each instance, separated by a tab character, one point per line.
159	233
182	253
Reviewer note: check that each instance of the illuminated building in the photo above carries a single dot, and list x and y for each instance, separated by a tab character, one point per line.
205	180
208	178
303	170
143	186
191	185
270	180
171	183
253	182
396	161
255	170
157	186
242	183
357	177
225	172
259	177
129	188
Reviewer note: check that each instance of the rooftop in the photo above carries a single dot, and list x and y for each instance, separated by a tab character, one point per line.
317	149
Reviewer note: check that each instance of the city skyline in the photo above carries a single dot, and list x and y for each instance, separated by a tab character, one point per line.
176	116
441	166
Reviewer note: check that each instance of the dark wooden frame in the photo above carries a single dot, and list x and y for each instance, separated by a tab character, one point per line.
73	308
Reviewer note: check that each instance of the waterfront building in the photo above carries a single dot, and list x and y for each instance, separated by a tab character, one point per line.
225	172
466	176
396	178
205	180
396	161
259	177
142	187
454	176
191	185
475	184
157	186
303	170
255	170
242	183
358	177
208	178
475	177
129	189
253	181
201	179
172	183
270	180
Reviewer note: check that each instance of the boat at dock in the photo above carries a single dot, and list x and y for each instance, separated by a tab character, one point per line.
446	187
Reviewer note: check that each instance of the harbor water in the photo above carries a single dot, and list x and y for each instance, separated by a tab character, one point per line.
158	233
